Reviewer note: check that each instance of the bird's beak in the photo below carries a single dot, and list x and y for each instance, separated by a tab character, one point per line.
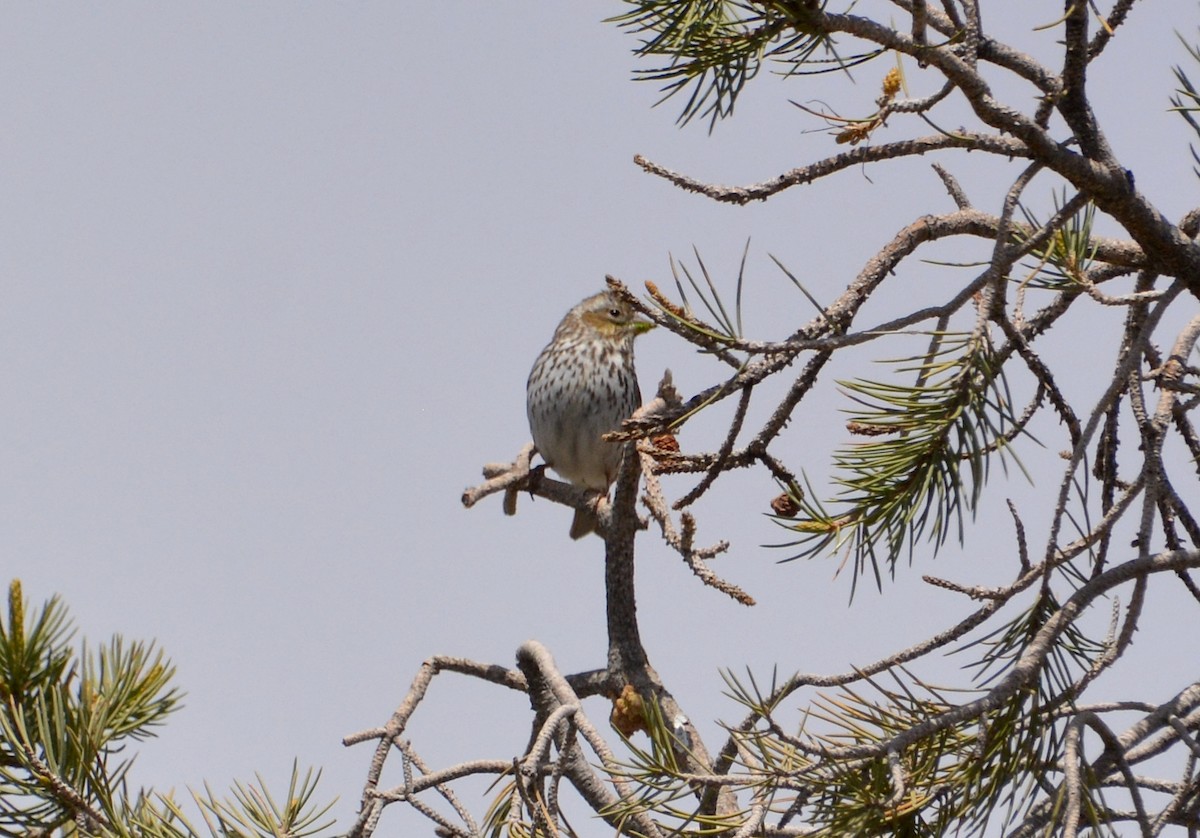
639	326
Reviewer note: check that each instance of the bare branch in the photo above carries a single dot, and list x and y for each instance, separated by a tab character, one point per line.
1002	146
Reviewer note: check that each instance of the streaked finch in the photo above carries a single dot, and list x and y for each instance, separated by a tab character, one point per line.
582	386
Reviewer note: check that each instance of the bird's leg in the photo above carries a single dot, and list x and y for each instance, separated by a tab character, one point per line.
536	475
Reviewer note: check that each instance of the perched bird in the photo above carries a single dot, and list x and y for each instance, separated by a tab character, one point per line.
582	386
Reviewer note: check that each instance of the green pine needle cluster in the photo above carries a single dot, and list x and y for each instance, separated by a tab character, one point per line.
723	328
67	719
958	779
662	790
1064	260
714	47
925	459
1186	100
1025	735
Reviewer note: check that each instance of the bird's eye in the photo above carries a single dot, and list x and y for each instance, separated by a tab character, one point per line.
614	313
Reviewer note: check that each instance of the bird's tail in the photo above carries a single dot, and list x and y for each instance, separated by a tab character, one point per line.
584	522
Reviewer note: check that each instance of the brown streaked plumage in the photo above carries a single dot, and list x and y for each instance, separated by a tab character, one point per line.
582	386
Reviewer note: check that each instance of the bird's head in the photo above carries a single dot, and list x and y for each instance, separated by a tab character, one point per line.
611	317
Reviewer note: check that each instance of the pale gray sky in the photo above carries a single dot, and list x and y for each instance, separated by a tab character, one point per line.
273	275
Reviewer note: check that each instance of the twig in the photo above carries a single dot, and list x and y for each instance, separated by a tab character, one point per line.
682	540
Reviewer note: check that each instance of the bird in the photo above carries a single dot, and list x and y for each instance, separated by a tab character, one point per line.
583	385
